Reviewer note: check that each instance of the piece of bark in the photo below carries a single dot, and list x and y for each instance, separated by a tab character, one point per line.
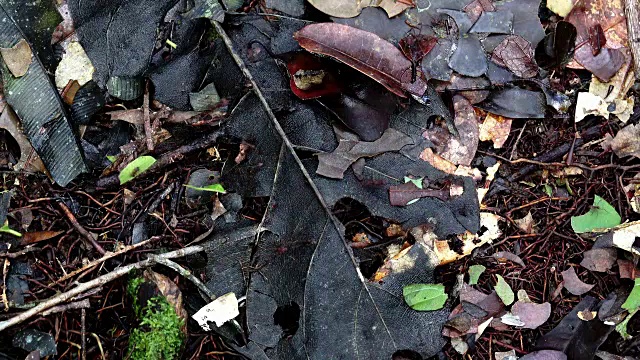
632	13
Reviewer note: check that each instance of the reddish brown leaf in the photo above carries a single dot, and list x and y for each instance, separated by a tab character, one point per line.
401	195
517	55
308	77
38	236
573	284
597	40
599	260
627	269
477	7
416	47
365	52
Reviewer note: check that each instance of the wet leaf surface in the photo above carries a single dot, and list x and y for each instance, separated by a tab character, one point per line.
365	52
578	339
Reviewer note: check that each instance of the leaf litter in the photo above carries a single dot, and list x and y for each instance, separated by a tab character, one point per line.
315	187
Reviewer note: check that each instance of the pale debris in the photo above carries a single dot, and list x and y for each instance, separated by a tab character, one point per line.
218	311
75	65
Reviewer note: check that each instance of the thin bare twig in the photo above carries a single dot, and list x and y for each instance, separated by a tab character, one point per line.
99	281
79	228
186	274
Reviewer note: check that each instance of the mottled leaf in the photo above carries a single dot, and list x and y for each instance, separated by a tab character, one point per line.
573	284
135	168
600	260
333	165
351	8
504	291
474	273
516	53
531	314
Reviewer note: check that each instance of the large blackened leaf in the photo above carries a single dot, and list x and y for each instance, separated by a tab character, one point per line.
577	338
516	103
118	35
307	297
37	20
36	101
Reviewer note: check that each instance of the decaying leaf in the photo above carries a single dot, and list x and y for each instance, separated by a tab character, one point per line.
474	273
516	103
545	355
17	58
29	159
404	194
560	7
503	256
364	51
504	291
333	165
219	311
352	8
585	17
526	224
495	128
627	269
47	126
516	54
38	236
75	65
587	315
446	254
624	143
600	260
531	314
458	150
505	355
576	338
573	284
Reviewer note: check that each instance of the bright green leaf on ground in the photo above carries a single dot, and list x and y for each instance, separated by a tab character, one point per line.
212	188
425	297
5	229
504	291
633	301
621	328
135	168
474	273
112	158
601	216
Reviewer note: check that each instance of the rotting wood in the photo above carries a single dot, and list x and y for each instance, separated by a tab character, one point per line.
632	13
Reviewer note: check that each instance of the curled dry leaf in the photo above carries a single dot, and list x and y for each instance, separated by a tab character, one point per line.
625	142
573	284
600	260
334	164
526	224
18	58
531	314
365	52
503	256
459	150
495	128
352	8
516	54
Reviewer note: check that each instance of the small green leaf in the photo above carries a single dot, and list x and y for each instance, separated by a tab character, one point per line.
633	301
112	158
601	216
548	189
212	188
135	168
425	297
504	291
5	229
417	182
474	273
621	328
